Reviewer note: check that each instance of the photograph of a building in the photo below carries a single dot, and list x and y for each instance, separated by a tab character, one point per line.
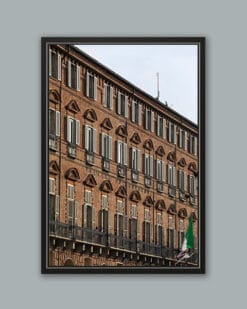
123	170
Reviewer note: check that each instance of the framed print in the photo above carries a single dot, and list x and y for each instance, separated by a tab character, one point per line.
123	155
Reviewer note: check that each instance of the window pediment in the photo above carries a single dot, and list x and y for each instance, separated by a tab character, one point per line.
73	107
193	215
148	201
135	138
106	186
90	115
148	144
54	168
121	192
182	213
171	156
172	209
72	174
182	162
54	96
192	167
160	205
135	196
122	131
106	124
90	181
160	151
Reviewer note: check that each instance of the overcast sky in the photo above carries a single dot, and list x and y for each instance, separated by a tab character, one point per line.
176	64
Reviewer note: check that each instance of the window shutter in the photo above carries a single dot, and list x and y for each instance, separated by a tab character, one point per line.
69	121
125	154
50	64
78	77
119	103
69	73
103	144
151	166
133	111
111	97
138	160
93	218
175	134
170	132
51	185
152	121
76	211
163	170
174	239
95	84
140	114
157	168
146	118
110	147
169	174
164	128
158	125
77	132
105	95
126	106
57	123
59	67
94	140
125	226
118	151
174	175
85	216
180	138
87	84
190	143
185	141
86	137
195	153
57	206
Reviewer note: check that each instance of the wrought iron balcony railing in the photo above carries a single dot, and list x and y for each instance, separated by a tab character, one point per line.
52	142
160	186
105	164
89	158
172	191
148	181
72	150
121	170
135	175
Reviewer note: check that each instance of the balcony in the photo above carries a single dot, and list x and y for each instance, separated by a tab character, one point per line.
182	196
160	186
89	158
192	199
147	181
135	176
172	191
121	170
52	142
72	150
105	164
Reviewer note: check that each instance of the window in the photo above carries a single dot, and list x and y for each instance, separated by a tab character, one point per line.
121	153
181	233
90	139
106	146
73	131
172	133
54	64
172	180
103	215
88	212
182	139
134	211
171	232
122	105
161	126
54	122
136	112
193	145
71	205
159	230
120	225
51	186
192	189
181	184
146	226
148	165
160	170
73	75
149	119
91	86
135	159
108	96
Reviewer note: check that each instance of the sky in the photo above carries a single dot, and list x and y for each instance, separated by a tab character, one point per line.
139	64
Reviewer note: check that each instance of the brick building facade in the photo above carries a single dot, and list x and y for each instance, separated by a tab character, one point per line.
123	169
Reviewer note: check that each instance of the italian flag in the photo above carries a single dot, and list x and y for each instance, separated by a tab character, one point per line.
188	242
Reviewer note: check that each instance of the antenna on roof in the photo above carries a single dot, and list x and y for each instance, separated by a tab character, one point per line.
158	86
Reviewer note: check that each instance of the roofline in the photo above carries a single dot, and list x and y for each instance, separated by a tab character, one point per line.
132	85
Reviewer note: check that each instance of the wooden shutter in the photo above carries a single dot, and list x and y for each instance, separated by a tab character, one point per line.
105	95
126	106
78	77
175	134
158	125
151	166
86	137
50	64
152	121
111	97
57	206
103	144
140	113
87	84
163	170
57	123
51	185
146	118
59	67
94	140
69	122
77	132
170	132
95	85
125	226
119	103
138	160
164	128
125	154
133	111
195	146
69	73
180	138
110	147
76	212
174	175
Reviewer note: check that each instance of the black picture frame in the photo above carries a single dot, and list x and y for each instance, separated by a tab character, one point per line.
45	240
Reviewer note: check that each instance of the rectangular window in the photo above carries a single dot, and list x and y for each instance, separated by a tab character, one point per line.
147	215
122	103
171	175
134	211
160	170
172	133
91	86
159	219
54	122
73	131
51	186
135	111
73	75
120	207
108	96
193	145
146	232
106	146
135	159
148	165
192	186
181	180
104	202
121	153
160	126
54	64
149	119
182	139
71	205
90	139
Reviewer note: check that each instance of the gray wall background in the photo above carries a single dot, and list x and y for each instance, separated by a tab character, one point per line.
22	23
